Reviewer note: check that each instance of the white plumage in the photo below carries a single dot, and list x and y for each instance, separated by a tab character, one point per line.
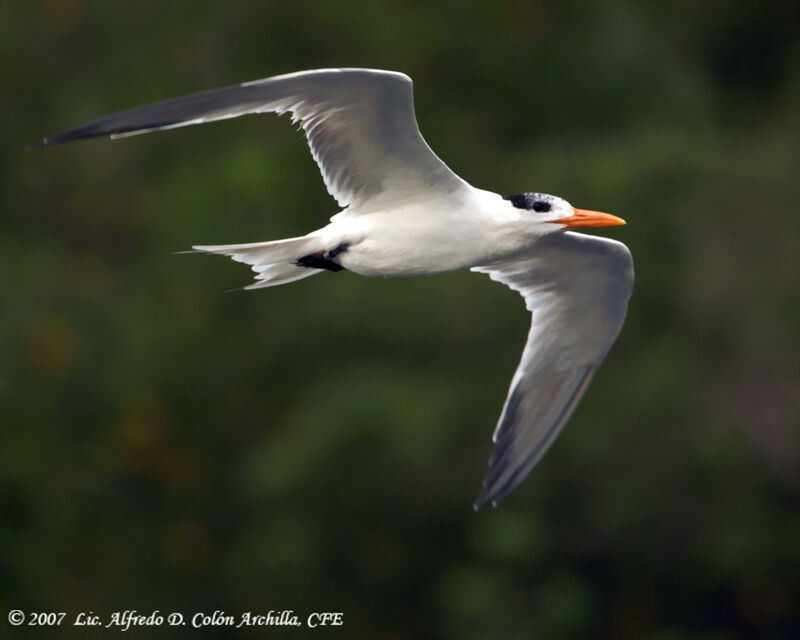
407	214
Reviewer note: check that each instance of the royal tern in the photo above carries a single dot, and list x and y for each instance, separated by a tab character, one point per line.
405	213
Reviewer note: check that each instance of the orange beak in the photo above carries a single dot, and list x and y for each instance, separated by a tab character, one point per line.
584	218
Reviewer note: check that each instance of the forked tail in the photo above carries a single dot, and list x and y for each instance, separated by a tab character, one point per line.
274	262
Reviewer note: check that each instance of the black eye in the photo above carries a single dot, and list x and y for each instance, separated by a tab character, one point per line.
541	205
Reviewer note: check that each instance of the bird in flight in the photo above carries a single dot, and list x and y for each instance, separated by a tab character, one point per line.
405	213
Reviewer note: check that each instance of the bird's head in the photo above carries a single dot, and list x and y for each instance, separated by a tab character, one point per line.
546	208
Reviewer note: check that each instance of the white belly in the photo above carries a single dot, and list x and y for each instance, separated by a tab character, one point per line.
424	238
392	245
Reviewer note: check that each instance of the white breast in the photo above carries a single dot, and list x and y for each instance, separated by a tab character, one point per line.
422	238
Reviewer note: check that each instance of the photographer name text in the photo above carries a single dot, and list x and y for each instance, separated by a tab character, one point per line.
130	619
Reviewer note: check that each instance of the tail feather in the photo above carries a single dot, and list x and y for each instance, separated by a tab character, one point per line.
273	262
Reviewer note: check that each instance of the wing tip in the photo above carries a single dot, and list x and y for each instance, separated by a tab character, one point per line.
60	138
486	496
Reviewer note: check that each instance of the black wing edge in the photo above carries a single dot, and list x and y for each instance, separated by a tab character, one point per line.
156	115
494	493
93	130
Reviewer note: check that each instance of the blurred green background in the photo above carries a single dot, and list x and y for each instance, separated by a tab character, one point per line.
318	446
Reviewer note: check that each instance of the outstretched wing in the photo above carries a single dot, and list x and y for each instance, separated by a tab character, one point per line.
577	288
359	123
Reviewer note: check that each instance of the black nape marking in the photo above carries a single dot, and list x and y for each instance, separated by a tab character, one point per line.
324	259
528	201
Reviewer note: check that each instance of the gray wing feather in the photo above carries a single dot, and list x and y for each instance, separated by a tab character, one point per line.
359	123
577	288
